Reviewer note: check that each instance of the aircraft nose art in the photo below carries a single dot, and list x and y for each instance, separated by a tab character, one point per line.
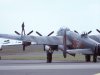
74	44
77	44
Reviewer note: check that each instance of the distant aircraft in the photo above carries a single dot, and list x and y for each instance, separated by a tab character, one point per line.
67	41
9	43
5	42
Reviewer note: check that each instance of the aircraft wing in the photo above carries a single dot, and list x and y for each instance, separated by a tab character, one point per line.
13	37
80	51
49	40
40	40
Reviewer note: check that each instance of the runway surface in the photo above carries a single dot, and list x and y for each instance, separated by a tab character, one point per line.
40	67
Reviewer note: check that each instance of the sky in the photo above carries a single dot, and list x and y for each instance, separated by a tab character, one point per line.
49	15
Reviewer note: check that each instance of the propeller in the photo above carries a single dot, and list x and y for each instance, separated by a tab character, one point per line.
76	31
86	33
30	32
42	35
38	33
17	33
89	32
24	43
98	30
50	33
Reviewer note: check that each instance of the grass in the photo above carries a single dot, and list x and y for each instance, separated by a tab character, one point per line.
58	57
10	51
22	58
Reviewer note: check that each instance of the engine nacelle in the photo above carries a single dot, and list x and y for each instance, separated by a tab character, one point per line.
47	47
61	47
26	43
52	47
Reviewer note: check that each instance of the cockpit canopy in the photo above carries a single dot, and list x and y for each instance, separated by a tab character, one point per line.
61	31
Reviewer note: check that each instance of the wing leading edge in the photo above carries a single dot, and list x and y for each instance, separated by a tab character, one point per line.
48	40
13	37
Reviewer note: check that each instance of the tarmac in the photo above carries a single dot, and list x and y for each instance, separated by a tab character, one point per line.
40	67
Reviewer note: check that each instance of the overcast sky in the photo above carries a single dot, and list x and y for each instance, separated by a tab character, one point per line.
48	15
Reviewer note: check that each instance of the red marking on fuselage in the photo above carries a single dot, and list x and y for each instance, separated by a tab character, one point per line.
77	44
74	43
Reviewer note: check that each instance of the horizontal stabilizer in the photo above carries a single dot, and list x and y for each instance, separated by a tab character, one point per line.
80	51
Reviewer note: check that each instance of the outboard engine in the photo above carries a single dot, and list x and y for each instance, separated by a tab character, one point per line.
25	44
52	47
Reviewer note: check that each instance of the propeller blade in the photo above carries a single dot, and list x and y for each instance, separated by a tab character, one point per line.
75	31
30	32
98	30
39	33
50	33
17	33
89	32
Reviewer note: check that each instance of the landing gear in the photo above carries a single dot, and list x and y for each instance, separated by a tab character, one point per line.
1	49
94	58
23	47
49	56
0	57
87	58
64	55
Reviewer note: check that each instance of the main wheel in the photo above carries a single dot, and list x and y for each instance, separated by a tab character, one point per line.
87	58
64	54
49	57
23	47
94	58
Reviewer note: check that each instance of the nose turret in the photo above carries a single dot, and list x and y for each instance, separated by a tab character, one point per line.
61	31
